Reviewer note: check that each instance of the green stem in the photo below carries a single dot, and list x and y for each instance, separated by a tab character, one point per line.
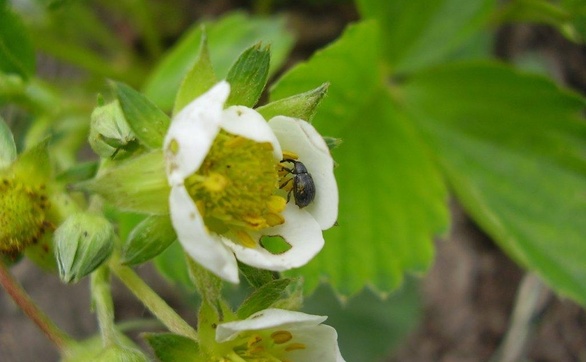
28	306
102	298
152	301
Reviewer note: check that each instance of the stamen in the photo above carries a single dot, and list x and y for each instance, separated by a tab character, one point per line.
254	222
274	219
294	346
290	155
280	337
276	204
245	239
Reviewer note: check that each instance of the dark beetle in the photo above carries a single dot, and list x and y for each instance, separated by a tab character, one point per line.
303	187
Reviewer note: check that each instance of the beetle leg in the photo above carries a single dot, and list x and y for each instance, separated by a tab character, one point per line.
285	183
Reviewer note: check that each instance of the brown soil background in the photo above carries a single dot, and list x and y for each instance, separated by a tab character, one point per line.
468	295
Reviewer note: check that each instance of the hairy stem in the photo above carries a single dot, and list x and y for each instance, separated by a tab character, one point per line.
102	298
152	301
28	306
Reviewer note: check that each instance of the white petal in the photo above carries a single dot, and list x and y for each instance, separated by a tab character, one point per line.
265	319
321	344
300	230
301	137
194	130
205	248
248	123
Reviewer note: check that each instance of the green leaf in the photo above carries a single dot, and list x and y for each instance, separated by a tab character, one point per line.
542	12
146	120
228	37
137	184
263	297
16	51
512	146
392	200
369	328
419	33
7	145
199	79
302	106
248	76
170	347
148	239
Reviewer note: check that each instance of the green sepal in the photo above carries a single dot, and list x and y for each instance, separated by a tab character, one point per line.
263	298
199	79
33	165
16	51
138	184
146	120
256	277
208	285
147	240
79	172
169	347
248	76
7	145
82	243
302	106
332	142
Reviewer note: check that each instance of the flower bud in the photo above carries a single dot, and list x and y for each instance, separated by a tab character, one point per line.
110	133
82	243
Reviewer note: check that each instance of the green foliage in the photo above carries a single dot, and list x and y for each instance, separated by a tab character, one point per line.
384	229
225	45
369	328
420	33
512	147
16	51
170	347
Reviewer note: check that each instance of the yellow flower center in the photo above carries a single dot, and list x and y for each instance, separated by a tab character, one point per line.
22	215
236	188
262	346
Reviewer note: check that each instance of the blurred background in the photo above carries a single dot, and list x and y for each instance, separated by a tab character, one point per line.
460	310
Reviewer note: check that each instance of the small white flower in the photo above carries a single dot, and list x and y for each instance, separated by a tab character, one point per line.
223	166
280	335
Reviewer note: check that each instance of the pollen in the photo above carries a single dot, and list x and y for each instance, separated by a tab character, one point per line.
22	215
236	187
